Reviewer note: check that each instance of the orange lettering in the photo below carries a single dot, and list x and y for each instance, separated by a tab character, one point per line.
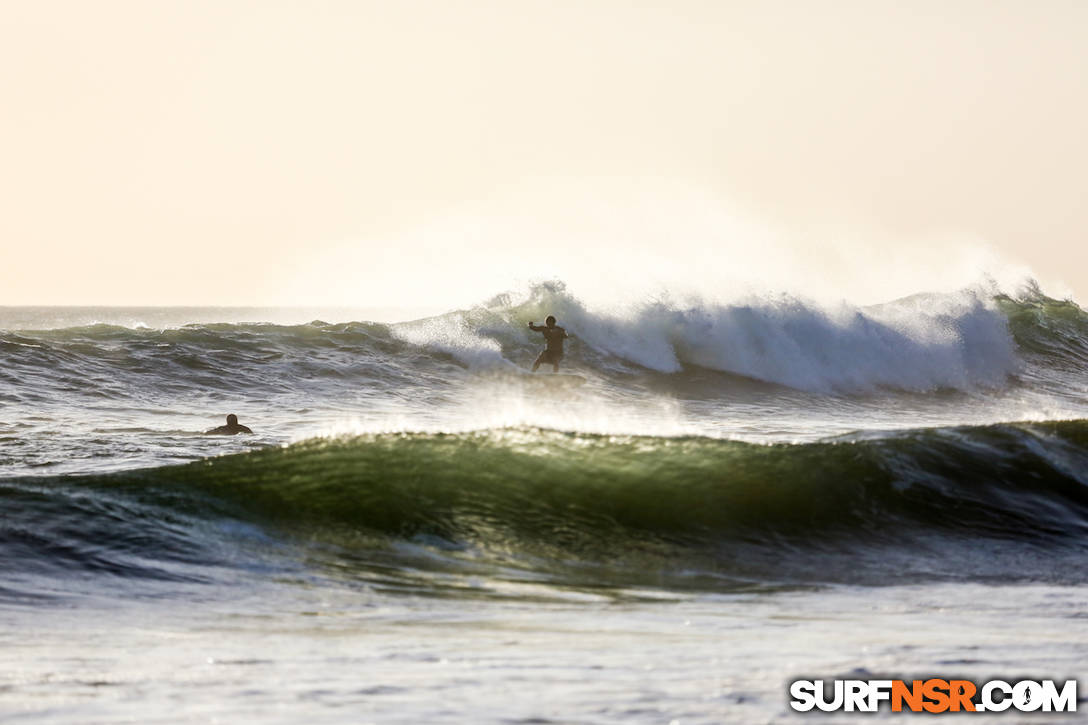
912	695
961	692
932	689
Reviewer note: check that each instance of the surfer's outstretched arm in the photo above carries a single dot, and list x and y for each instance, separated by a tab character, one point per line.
536	328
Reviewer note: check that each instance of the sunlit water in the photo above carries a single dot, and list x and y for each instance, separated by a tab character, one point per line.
414	571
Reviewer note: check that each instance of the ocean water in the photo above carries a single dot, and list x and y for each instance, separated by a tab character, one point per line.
740	494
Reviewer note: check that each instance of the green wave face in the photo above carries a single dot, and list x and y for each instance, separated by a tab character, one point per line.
1054	330
983	502
554	501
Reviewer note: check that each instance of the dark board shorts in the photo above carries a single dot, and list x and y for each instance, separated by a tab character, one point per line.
550	356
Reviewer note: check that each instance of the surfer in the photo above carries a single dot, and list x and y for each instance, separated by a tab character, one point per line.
553	336
231	428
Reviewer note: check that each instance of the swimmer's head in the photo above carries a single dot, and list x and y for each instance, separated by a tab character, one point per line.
550	322
232	419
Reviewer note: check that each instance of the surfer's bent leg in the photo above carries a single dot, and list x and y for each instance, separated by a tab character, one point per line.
543	356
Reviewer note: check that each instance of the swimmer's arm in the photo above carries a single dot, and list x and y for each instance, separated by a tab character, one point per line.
244	429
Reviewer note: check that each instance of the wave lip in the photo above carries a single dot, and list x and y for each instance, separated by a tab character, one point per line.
989	479
923	343
973	340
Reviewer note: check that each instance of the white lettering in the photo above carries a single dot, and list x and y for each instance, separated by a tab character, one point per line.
804	695
988	701
879	690
835	702
855	695
1027	696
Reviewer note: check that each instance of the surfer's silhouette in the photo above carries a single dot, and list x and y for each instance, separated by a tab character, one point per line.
231	428
553	336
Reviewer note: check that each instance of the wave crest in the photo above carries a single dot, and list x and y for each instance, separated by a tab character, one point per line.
971	340
550	501
921	343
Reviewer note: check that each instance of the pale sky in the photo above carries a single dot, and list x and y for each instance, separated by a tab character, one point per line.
428	153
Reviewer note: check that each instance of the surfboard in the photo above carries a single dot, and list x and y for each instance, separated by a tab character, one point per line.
537	381
554	379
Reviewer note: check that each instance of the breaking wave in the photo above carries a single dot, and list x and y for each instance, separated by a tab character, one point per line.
1000	501
964	341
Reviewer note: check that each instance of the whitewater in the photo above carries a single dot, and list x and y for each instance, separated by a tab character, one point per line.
742	493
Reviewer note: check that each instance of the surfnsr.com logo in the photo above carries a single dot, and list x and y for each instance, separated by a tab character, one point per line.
933	695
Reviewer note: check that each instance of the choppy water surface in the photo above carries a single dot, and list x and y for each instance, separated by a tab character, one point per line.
739	495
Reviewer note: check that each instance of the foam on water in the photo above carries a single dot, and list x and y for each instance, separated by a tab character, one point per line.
783	465
921	343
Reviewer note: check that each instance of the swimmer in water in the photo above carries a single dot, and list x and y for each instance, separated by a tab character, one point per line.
231	428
